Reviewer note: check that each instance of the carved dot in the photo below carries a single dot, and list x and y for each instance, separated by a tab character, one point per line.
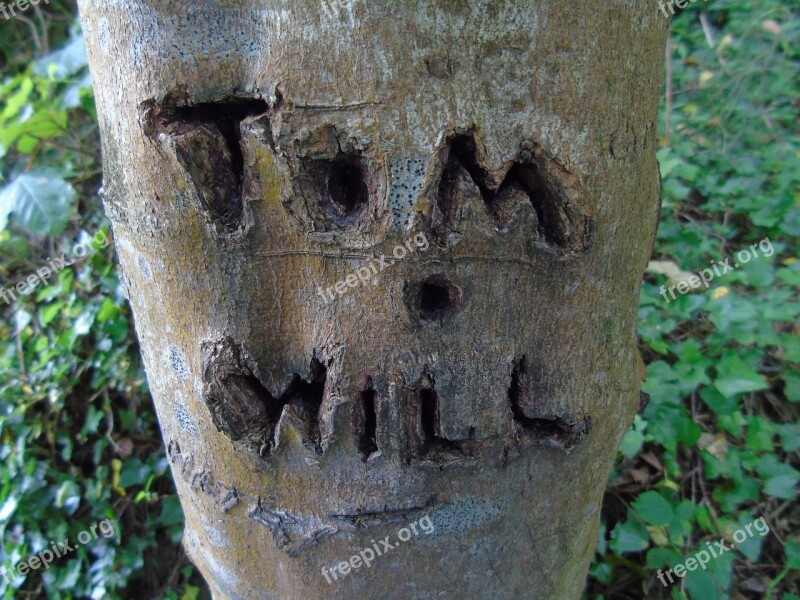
438	67
434	298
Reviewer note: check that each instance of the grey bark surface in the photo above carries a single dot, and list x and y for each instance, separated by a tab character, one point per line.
257	153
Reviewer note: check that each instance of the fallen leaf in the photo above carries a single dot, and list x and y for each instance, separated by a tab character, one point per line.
719	292
771	26
125	447
716	445
652	460
675	275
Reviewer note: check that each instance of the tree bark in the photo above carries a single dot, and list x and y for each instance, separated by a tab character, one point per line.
261	157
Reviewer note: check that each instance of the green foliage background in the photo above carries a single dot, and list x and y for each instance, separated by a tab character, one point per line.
716	447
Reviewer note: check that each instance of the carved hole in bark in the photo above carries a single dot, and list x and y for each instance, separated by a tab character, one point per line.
557	222
240	405
366	421
305	398
423	431
434	298
531	178
208	143
342	187
461	171
227	116
429	416
552	431
244	409
464	152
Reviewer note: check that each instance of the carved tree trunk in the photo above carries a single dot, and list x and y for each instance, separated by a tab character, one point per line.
384	261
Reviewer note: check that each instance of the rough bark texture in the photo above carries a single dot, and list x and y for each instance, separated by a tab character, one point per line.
258	152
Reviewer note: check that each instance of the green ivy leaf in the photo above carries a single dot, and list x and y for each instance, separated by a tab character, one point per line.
700	585
41	201
734	377
68	496
792	550
792	388
722	405
760	432
654	508
631	443
190	592
8	508
779	478
790	436
46	123
629	536
15	101
751	546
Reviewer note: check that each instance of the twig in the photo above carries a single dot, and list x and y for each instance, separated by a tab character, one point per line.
707	30
21	355
45	42
668	112
34	32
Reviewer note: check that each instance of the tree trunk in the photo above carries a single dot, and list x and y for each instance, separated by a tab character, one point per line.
384	261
